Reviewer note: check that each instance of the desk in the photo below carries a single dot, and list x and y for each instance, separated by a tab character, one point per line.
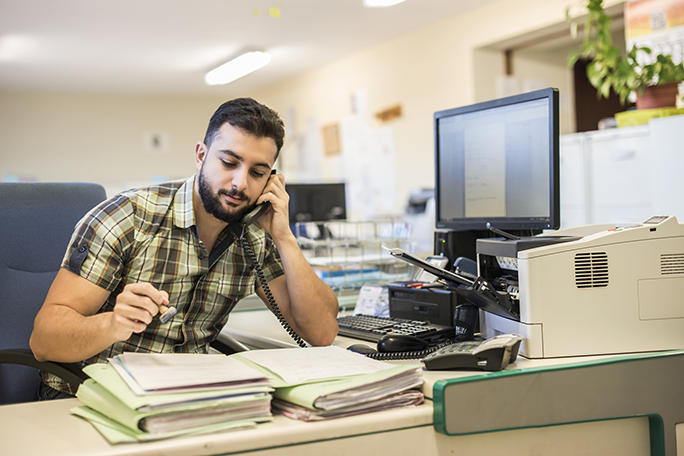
48	428
606	375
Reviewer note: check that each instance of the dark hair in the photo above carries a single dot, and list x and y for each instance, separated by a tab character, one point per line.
249	116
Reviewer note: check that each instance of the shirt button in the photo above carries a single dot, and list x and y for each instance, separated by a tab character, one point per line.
82	248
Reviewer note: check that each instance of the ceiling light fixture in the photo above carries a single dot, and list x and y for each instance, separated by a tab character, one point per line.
237	68
380	3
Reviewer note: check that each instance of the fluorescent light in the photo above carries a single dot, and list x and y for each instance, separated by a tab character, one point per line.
237	68
16	47
380	3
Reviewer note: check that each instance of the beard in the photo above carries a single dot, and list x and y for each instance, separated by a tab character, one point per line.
213	203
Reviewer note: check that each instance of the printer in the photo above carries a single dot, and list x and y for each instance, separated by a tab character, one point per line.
615	291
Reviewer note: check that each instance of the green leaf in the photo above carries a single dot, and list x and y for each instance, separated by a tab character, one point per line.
612	55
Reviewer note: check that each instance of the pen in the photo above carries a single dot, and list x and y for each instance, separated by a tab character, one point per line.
166	313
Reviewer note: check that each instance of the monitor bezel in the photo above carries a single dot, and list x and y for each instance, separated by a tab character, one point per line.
507	223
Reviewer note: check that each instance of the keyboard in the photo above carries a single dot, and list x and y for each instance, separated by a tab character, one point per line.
373	327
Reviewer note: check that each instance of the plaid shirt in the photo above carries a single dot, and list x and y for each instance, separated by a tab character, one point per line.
149	235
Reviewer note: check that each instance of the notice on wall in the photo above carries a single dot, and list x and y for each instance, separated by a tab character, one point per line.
658	25
368	167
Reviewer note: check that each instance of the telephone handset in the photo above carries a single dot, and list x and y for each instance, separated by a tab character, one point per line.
257	212
248	219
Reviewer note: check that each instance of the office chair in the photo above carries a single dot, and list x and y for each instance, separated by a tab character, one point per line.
36	223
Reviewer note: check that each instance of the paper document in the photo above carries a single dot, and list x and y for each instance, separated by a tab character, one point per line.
116	433
297	412
106	375
98	398
163	372
348	391
296	365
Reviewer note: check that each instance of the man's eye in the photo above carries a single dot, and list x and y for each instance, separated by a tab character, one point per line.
258	174
228	164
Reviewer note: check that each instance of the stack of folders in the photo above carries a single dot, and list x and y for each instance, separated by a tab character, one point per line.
141	397
322	383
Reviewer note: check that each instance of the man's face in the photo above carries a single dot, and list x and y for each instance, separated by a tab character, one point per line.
232	174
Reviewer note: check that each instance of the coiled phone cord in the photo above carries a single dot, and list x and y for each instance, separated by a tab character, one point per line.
267	291
419	354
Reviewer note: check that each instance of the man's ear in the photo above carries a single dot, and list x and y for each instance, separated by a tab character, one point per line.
200	154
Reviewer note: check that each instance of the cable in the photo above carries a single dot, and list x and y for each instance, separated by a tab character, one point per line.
419	354
267	291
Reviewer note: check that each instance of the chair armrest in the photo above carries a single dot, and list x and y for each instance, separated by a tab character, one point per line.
69	372
227	345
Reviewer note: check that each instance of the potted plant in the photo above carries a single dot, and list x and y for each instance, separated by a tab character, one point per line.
609	69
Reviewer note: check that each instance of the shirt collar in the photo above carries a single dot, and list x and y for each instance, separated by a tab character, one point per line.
183	213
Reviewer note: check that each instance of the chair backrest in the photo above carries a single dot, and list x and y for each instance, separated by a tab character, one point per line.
36	223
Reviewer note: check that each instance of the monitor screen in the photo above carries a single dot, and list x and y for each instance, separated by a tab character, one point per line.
497	162
317	202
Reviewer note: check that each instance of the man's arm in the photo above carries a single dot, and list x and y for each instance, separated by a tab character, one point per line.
68	327
308	304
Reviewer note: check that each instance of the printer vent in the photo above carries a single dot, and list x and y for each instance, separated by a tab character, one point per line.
672	263
591	270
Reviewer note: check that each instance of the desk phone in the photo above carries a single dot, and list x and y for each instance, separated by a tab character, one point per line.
491	355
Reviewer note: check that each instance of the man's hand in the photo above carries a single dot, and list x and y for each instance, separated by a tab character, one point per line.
276	221
69	328
135	308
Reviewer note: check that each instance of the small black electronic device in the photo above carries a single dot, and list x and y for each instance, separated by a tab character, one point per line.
490	355
433	303
401	343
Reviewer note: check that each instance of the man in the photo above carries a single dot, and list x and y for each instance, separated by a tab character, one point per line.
173	245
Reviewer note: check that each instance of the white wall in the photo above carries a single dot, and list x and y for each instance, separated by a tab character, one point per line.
99	137
426	71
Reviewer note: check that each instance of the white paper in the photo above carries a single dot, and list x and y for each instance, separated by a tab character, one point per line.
301	365
163	371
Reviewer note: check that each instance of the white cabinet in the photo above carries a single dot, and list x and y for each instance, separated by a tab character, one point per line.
623	175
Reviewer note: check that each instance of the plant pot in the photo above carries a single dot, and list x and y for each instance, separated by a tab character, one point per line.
658	96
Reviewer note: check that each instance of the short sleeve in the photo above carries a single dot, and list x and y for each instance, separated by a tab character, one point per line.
101	242
273	266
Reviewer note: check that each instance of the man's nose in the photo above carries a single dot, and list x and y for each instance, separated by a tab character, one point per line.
240	178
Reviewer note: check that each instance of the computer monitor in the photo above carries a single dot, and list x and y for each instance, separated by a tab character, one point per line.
317	202
497	164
